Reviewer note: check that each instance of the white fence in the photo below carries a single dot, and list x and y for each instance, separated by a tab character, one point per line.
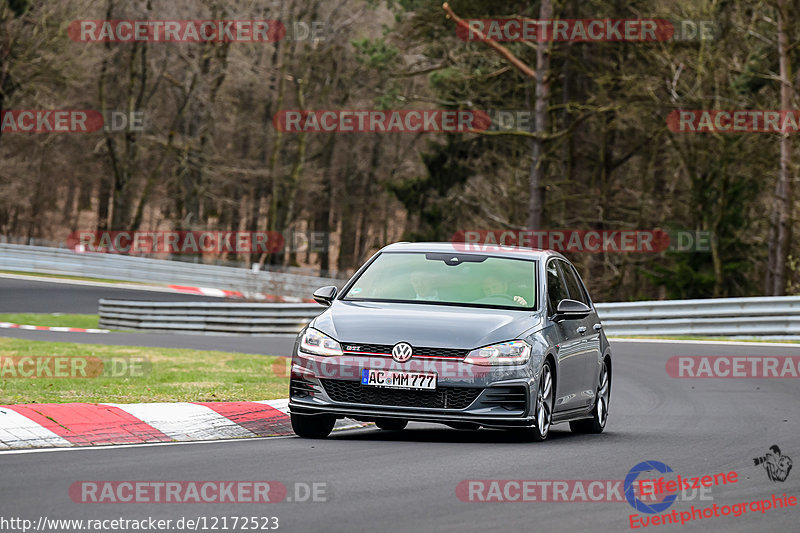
37	259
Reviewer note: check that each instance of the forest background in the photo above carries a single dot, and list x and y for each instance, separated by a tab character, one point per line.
600	154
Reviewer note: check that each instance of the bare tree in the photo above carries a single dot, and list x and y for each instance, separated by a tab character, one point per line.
780	221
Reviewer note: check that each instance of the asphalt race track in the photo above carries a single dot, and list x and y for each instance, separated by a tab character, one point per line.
406	481
57	296
32	296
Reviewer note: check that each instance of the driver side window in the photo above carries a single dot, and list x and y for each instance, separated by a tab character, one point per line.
556	288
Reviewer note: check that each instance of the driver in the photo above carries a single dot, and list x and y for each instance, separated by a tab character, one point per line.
494	285
424	284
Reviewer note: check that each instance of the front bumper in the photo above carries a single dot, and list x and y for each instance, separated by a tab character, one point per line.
497	397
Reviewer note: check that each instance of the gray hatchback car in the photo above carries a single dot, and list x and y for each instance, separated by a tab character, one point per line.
435	332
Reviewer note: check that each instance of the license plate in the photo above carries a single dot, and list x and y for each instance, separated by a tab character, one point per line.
396	379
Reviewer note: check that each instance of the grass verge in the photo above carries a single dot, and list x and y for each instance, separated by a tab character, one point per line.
52	320
167	375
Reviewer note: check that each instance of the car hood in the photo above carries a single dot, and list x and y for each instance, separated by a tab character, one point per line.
435	326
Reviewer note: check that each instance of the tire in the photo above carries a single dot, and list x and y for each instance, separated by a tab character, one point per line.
312	426
391	424
597	423
545	394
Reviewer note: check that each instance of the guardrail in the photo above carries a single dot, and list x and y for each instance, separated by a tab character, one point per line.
38	259
207	317
730	317
762	317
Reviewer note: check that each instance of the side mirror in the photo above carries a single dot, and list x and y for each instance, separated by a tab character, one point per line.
572	310
325	295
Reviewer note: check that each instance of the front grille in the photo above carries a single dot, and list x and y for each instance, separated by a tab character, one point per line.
440	352
367	348
417	351
511	398
441	398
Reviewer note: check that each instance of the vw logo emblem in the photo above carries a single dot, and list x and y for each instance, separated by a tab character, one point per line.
401	352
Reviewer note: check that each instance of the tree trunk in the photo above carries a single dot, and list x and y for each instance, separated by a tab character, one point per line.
536	204
348	215
293	182
322	215
780	230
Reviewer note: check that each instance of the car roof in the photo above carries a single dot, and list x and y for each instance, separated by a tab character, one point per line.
476	249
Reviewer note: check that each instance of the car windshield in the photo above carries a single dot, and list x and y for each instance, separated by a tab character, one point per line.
449	279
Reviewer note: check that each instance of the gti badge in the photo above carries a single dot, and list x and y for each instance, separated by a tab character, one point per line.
401	352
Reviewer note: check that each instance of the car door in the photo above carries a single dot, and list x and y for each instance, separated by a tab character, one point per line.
570	365
588	329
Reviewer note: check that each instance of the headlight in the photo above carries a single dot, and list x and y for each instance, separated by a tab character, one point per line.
505	353
318	343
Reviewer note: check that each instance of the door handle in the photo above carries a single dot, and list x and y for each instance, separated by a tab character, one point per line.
582	330
598	327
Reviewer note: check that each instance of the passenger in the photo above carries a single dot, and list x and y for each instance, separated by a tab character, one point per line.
494	285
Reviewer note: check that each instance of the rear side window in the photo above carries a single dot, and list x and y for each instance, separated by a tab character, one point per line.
574	286
556	288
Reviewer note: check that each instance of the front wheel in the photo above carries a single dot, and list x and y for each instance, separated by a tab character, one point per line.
597	423
544	404
312	426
